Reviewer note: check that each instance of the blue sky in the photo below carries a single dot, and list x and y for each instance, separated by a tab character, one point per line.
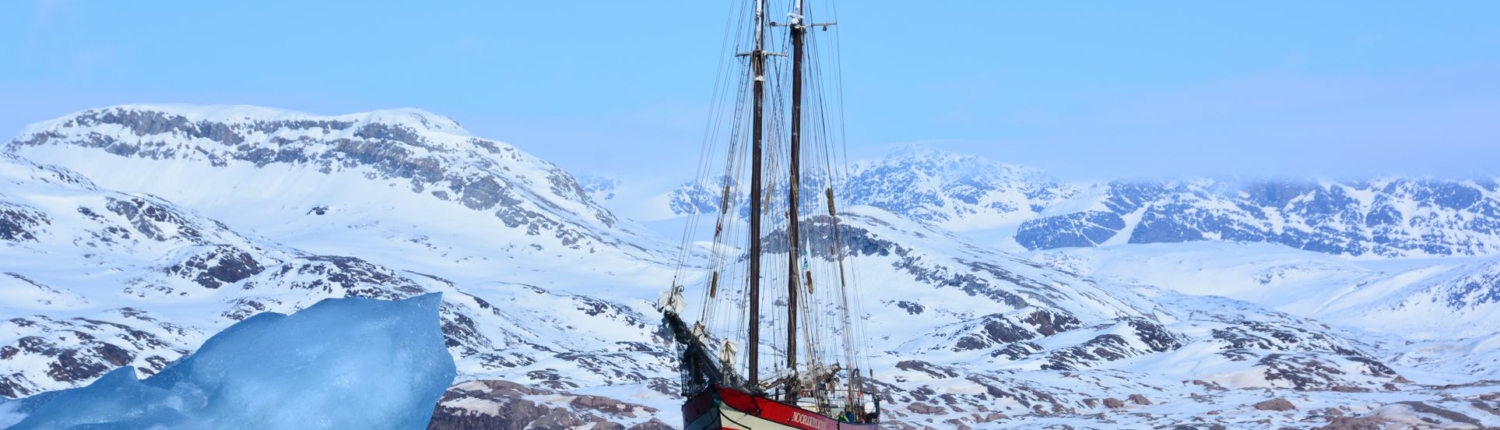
1085	90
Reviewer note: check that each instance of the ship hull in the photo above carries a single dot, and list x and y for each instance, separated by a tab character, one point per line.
726	408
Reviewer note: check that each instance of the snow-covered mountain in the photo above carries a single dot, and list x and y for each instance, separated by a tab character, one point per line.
1389	217
97	279
1393	217
256	168
128	234
104	278
953	191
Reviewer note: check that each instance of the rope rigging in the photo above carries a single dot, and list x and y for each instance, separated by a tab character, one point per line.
775	264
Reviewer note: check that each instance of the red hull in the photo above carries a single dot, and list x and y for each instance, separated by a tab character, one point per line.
726	408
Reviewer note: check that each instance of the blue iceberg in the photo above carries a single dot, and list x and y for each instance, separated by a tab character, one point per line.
350	363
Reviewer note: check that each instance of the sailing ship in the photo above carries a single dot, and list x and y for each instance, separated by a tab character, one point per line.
776	242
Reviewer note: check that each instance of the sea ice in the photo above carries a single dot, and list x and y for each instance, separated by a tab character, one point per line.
350	363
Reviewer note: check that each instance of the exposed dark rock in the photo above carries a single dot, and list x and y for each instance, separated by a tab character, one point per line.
79	361
1434	416
990	330
217	266
1482	405
495	404
1309	372
1349	389
819	230
1276	404
244	308
939	372
551	379
1048	323
654	424
398	133
1079	229
608	406
19	223
926	409
352	276
1017	350
1112	347
1355	423
146	216
912	308
1157	337
1424	408
77	350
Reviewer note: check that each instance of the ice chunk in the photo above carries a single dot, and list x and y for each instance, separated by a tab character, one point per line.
340	364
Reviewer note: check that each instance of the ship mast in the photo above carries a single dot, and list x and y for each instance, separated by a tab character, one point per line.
758	67
794	185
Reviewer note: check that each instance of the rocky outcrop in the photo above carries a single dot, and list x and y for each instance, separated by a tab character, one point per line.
75	351
19	223
1277	404
216	266
498	404
1411	414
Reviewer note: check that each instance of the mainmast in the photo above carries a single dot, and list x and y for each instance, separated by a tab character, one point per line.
758	67
798	30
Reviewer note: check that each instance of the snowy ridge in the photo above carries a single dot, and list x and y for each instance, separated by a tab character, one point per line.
1391	217
954	191
241	115
1025	210
600	189
413	149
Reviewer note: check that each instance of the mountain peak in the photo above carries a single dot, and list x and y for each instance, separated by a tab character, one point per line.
242	132
421	164
414	118
949	163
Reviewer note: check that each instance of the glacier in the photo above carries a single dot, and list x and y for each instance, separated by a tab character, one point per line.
341	363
